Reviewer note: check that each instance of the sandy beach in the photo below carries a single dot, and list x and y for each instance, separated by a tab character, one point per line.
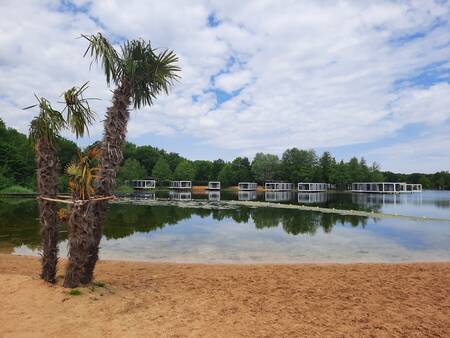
177	300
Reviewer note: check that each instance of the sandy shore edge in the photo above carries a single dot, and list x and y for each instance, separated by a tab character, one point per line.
222	300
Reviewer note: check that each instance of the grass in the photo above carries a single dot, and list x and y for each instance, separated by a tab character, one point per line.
98	284
16	189
75	292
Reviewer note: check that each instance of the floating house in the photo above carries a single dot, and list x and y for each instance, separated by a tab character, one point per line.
308	198
413	187
180	185
180	196
312	187
278	186
379	187
247	186
213	185
385	187
278	196
143	184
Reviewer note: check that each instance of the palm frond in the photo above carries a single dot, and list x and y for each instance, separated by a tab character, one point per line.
79	113
47	124
104	53
149	73
82	174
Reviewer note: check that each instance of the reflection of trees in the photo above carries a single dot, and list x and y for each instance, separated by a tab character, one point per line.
124	220
296	222
19	225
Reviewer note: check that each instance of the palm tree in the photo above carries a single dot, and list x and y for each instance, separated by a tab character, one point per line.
139	74
45	129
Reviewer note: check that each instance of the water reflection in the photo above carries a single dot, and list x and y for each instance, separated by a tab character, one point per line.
214	196
19	224
180	196
247	195
309	198
278	196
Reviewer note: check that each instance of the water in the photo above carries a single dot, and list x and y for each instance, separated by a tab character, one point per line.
429	203
188	234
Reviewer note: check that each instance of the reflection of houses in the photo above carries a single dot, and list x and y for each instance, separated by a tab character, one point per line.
385	187
318	197
312	187
143	184
214	195
384	199
150	196
247	195
247	186
180	185
277	196
213	185
278	186
180	196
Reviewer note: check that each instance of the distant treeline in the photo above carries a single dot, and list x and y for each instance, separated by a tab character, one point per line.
17	166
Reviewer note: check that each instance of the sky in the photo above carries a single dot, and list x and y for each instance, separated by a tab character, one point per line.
366	79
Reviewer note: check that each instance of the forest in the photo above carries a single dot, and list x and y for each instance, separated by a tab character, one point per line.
17	166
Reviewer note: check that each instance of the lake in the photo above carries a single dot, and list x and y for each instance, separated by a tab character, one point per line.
190	233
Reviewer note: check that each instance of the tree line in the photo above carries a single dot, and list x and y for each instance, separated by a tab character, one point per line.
17	166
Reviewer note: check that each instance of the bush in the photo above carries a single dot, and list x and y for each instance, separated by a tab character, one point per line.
16	189
124	189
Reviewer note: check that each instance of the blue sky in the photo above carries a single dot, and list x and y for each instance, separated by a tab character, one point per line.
355	78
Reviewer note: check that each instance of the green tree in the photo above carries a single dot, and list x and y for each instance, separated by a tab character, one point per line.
327	164
131	170
147	156
265	167
161	170
298	165
426	182
216	167
185	171
226	176
241	170
203	170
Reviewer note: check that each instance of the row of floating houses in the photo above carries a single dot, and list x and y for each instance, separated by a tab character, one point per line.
362	187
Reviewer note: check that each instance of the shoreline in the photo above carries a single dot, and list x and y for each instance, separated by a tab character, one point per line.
221	300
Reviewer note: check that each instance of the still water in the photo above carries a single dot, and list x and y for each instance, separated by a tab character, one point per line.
193	234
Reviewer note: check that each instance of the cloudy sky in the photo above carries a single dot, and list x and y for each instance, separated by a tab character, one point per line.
366	79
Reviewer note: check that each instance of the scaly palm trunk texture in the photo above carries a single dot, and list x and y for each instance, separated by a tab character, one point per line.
86	240
47	182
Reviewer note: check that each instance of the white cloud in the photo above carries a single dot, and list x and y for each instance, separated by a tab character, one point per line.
310	74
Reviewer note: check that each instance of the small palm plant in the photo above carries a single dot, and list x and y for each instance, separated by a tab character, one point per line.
140	73
44	132
83	173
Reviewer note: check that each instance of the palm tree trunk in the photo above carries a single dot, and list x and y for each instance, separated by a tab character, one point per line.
86	242
47	182
81	237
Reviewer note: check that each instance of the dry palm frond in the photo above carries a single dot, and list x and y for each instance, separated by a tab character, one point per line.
83	173
63	214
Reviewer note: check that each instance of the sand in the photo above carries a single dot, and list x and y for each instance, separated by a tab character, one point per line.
178	300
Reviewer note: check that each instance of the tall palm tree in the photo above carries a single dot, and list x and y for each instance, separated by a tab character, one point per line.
139	74
45	129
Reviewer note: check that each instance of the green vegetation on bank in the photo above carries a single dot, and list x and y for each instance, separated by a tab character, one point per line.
17	166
